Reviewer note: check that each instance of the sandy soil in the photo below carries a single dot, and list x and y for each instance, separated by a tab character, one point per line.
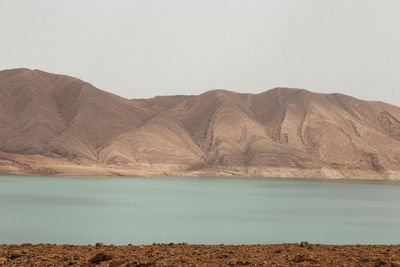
302	254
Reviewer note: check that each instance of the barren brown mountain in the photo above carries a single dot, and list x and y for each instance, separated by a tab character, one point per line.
58	125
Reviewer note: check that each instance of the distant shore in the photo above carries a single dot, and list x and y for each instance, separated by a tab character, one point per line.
11	164
302	254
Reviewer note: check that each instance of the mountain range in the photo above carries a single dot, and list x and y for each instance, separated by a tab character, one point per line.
58	125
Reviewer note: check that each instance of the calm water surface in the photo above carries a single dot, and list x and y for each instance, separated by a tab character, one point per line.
206	210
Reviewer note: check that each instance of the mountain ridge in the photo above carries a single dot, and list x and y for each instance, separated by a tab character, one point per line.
61	125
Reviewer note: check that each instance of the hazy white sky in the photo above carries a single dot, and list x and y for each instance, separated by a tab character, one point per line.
140	49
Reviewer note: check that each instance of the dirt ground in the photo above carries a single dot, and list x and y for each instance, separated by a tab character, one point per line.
302	254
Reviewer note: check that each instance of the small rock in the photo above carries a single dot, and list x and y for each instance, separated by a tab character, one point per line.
15	254
99	244
233	262
115	263
299	258
304	244
3	260
99	257
142	263
364	259
395	263
380	262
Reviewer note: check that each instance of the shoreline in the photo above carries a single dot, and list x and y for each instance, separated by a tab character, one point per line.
200	174
182	254
272	178
13	164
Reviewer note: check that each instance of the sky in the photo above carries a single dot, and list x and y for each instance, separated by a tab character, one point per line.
141	49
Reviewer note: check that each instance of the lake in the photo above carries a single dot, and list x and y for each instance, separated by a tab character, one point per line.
206	210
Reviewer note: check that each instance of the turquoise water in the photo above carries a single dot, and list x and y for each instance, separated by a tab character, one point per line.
207	210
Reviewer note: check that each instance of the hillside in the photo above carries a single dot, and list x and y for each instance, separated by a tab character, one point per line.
59	125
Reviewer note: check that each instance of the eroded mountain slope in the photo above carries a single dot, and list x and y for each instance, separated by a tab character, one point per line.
280	132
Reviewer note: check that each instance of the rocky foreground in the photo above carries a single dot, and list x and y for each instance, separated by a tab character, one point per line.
302	254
